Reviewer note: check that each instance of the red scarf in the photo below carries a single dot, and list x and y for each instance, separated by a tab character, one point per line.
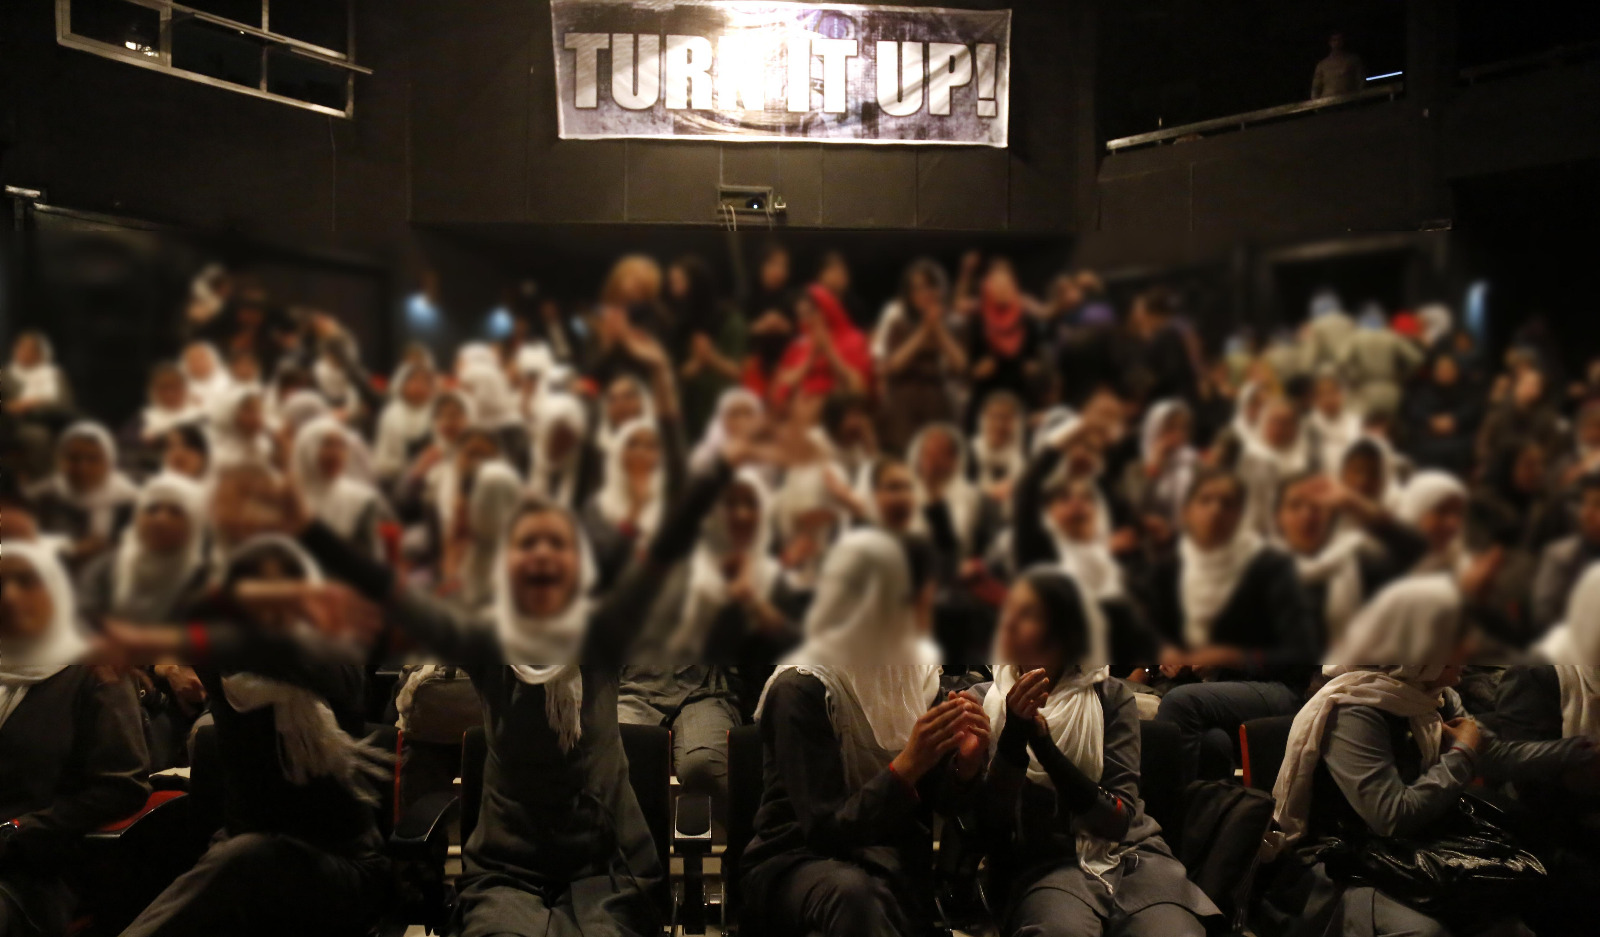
847	340
1004	329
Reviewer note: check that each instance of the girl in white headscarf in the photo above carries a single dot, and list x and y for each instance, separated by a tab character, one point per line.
626	400
496	491
326	467
239	429
1336	422
1070	846
40	382
159	565
1280	449
999	449
852	723
170	405
208	378
1573	647
560	427
738	412
938	461
1167	462
1435	504
1384	744
405	423
558	811
632	498
490	392
87	499
72	751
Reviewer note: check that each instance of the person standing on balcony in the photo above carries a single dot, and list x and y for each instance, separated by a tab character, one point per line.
1341	73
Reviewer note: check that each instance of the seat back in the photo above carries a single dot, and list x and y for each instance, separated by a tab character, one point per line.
1261	746
1160	776
649	753
744	797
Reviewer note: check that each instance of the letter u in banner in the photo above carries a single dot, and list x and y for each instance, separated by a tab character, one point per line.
766	71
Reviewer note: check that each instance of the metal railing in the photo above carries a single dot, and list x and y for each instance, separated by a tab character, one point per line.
1386	91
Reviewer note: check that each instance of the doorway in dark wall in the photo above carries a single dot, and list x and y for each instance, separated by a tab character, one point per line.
1532	238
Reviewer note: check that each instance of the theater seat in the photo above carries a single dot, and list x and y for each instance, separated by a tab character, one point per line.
128	862
416	842
1261	746
744	798
649	753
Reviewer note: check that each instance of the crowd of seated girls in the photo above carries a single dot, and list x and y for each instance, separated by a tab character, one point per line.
948	558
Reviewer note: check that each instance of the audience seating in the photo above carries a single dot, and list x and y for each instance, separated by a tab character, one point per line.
128	862
1261	747
417	842
649	753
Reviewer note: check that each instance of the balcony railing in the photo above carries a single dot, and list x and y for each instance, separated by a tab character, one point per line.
1387	91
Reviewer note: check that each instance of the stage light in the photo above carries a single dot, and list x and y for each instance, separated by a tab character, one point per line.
498	323
421	314
1385	75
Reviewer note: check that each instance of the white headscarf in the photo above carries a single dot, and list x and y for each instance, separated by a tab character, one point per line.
476	354
100	505
862	642
545	651
1243	426
1171	484
716	434
1076	718
228	446
708	588
533	364
343	502
400	426
614	500
206	392
156	421
443	480
311	744
559	483
23	667
1336	434
606	437
1005	463
496	490
40	382
299	409
146	584
1209	578
1395	648
961	497
490	393
1437	321
1574	648
1089	562
1390	497
1425	492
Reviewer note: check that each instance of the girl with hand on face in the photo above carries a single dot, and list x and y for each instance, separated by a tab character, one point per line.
72	749
326	468
859	743
1071	849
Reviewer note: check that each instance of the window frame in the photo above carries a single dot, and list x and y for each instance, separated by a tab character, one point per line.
272	42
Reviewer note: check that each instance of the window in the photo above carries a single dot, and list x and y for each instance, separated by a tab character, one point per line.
299	52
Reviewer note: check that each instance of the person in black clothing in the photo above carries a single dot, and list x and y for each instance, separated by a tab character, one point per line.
857	747
1071	849
1168	357
299	848
1239	640
72	752
561	844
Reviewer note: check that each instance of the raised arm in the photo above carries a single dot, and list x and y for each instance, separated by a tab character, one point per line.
1030	542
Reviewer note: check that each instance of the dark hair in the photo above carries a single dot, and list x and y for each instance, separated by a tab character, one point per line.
479	432
1206	476
163	368
1062	600
1587	482
839	406
250	565
883	464
923	268
921	558
1293	481
1161	300
539	504
194	438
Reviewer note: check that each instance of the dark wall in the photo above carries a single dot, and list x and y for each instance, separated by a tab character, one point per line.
485	148
101	135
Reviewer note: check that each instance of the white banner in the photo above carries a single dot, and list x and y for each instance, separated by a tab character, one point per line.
760	71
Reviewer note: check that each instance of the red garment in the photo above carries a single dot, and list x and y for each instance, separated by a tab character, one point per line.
1405	322
1004	328
848	341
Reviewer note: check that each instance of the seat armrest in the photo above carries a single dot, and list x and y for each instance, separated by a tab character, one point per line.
157	802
